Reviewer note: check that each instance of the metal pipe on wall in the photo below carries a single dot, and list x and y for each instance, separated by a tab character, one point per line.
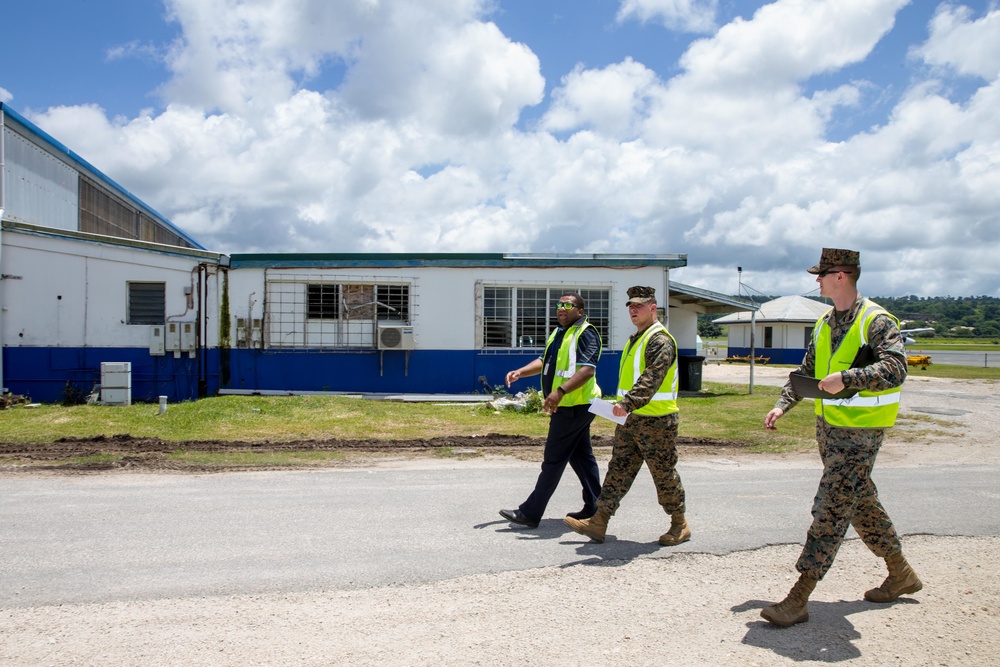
3	177
200	330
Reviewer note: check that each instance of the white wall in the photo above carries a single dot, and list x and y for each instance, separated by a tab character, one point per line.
444	308
789	335
68	293
683	327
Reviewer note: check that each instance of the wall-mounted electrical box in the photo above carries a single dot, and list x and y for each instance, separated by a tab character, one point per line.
172	340
156	342
241	332
187	336
255	332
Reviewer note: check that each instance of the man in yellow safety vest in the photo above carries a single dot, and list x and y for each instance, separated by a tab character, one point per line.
849	432
647	394
568	367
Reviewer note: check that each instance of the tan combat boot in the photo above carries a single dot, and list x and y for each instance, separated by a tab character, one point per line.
679	531
794	608
901	580
595	527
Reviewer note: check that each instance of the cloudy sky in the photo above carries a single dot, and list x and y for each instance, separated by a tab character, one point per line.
740	132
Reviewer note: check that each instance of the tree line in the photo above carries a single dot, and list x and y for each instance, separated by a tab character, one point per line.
948	316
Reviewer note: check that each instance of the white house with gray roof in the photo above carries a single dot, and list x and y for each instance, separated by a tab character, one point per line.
782	327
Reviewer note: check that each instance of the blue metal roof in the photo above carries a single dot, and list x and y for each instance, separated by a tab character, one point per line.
57	147
455	260
712	302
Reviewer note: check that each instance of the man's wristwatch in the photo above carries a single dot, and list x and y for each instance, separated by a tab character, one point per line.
562	392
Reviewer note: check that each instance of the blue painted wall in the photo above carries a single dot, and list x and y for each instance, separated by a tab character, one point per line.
45	375
426	372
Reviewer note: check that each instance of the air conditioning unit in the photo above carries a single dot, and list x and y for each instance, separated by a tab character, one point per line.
395	336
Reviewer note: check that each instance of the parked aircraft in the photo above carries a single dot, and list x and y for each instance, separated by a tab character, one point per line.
906	334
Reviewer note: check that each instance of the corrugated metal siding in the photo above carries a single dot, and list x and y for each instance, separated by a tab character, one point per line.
39	189
42	186
101	212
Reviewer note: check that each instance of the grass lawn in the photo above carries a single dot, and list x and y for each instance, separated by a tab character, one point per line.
724	413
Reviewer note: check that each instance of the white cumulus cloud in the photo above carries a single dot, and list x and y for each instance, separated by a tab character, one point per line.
366	125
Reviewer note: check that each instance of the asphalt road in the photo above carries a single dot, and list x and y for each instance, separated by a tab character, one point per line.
944	357
73	539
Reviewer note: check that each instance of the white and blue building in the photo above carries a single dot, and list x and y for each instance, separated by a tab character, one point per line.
781	329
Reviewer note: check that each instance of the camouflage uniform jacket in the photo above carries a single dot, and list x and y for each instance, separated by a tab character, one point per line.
660	354
886	341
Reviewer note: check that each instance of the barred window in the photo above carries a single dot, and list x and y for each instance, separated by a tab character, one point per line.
147	303
497	316
393	302
302	311
526	316
598	303
323	302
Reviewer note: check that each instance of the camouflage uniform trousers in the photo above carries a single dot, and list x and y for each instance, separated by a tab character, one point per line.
652	440
846	497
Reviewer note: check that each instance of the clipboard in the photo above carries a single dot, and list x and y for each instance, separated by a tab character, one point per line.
864	357
808	387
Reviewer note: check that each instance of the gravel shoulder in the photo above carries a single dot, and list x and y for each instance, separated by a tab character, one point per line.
668	609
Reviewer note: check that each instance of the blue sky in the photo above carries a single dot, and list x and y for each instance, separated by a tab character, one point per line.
742	133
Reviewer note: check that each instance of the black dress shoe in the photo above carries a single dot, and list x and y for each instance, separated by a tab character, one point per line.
515	516
582	514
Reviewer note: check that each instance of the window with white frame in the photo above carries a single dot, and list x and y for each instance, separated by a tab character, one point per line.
516	316
307	311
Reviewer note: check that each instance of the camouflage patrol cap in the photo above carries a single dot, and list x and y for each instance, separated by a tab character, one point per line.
640	294
832	257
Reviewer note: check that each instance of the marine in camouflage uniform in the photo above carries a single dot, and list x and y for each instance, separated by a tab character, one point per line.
649	438
847	495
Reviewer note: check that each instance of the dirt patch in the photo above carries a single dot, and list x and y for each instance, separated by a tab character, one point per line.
125	452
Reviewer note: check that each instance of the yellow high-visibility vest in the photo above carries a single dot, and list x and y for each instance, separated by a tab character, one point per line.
633	363
866	409
566	366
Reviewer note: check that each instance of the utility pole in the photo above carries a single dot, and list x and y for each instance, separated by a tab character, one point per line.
753	323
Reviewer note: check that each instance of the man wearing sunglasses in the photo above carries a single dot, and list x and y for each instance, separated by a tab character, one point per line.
647	393
849	432
568	367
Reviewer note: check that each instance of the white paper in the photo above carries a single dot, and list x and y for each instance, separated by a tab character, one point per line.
602	408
